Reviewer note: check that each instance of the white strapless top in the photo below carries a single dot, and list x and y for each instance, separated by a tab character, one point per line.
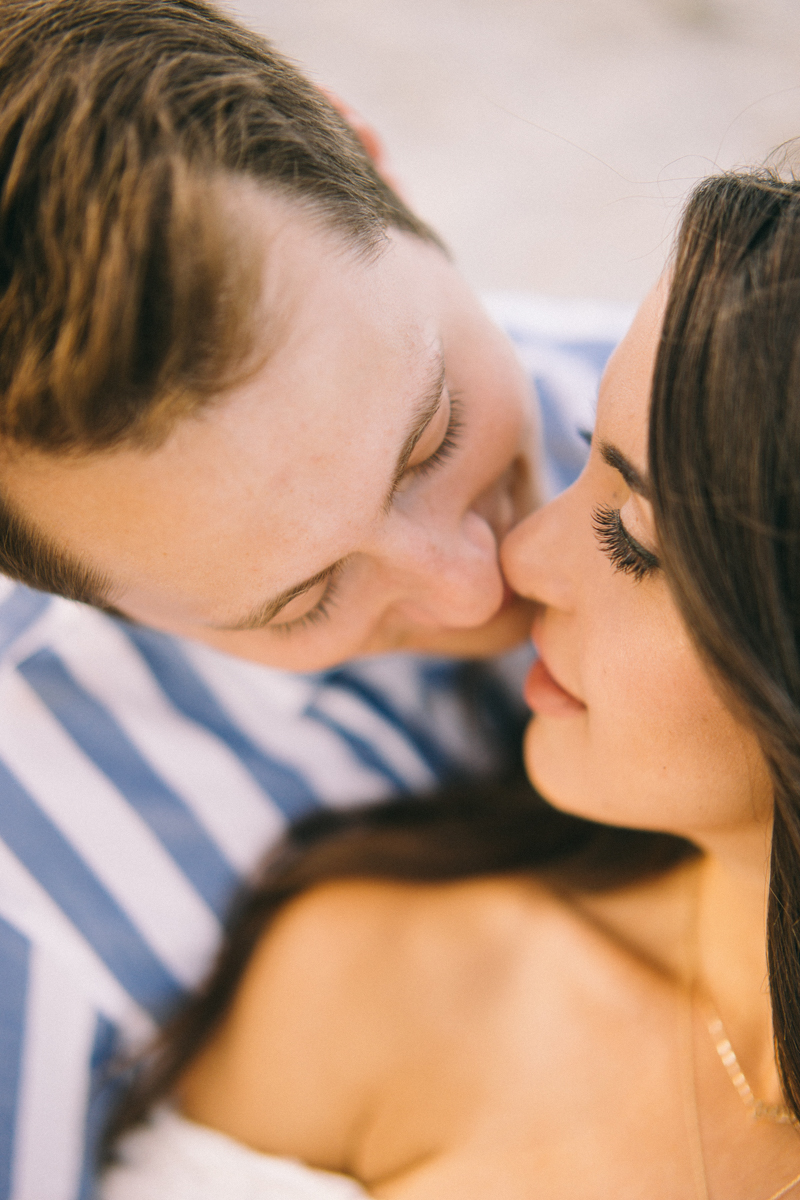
171	1158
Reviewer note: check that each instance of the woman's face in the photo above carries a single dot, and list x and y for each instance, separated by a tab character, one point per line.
628	727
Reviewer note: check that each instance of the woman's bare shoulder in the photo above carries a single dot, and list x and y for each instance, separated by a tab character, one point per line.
361	990
377	957
371	936
349	985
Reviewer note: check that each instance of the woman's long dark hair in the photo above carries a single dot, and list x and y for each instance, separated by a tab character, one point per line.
725	468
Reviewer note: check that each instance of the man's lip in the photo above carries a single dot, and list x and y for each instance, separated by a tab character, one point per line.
545	695
509	597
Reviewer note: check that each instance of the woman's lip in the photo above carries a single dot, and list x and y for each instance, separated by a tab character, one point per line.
547	697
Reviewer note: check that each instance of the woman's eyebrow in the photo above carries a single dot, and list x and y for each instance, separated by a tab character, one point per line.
635	480
424	412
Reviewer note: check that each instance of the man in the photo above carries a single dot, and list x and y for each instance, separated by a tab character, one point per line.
253	426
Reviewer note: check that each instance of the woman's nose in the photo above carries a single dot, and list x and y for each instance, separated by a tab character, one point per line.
536	556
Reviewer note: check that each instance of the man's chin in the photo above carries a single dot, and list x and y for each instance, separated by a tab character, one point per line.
508	629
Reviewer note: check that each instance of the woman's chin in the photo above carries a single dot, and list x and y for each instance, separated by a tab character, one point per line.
546	767
556	766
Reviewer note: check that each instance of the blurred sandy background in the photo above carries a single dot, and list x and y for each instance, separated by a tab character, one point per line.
551	141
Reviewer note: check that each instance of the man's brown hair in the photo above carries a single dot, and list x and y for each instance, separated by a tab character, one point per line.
124	301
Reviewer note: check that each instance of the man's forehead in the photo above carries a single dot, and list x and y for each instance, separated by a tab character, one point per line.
261	493
277	479
307	262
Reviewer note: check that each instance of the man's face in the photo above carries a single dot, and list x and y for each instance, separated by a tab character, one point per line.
348	498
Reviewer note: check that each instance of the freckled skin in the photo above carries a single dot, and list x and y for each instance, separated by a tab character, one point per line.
288	473
653	724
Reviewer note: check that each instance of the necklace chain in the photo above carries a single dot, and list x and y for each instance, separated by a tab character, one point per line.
774	1112
778	1113
787	1187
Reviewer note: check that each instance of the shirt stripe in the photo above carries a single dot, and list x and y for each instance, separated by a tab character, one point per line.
105	1088
47	855
102	740
18	612
366	752
27	906
109	836
188	692
14	960
433	754
59	1028
234	811
372	741
244	691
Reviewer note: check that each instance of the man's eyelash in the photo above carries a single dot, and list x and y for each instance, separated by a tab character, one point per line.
446	447
319	612
625	553
449	442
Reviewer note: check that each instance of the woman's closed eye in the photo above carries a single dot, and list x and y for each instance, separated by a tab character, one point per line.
623	550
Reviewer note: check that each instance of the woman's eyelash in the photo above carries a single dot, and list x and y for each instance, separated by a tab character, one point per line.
319	612
625	553
449	442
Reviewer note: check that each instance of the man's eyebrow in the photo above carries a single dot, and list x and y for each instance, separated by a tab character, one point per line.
635	480
425	410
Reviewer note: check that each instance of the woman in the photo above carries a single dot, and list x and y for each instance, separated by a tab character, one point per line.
427	1002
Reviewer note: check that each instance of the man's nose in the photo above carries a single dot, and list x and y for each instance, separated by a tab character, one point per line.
445	575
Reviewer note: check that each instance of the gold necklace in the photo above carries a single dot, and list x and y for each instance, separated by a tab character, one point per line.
720	1038
778	1113
758	1108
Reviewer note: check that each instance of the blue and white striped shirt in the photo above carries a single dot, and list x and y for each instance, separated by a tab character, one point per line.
141	776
